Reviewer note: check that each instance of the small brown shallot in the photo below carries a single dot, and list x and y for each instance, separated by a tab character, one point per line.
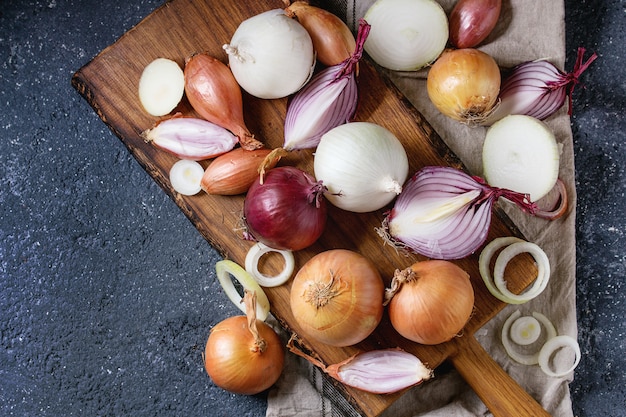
332	39
190	138
381	371
234	172
214	93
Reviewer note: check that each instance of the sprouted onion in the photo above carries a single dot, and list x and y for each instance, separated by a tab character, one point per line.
538	89
513	246
380	371
328	100
444	213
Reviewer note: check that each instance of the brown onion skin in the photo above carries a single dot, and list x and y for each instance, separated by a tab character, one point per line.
332	39
215	95
434	307
233	363
348	317
279	212
234	172
471	21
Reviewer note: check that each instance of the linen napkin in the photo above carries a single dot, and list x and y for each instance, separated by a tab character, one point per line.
527	30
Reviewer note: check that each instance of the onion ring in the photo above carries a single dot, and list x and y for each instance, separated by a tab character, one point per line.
543	271
525	359
525	330
552	346
224	270
252	265
485	259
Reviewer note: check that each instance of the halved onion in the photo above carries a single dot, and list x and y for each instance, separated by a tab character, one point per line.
161	86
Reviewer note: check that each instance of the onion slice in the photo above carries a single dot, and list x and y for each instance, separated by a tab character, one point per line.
551	347
528	358
514	246
185	177
224	270
252	265
161	86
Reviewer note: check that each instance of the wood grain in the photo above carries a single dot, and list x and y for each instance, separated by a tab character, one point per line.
181	28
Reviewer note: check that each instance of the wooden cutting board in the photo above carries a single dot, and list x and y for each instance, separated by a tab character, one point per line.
182	27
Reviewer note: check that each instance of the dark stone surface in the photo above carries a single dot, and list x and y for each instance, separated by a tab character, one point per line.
107	291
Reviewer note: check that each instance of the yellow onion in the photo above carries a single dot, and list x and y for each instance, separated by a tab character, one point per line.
244	355
337	297
463	84
430	302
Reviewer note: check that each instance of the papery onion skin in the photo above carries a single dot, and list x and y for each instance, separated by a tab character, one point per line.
214	93
434	305
332	39
337	297
234	172
234	362
271	55
287	211
471	21
463	84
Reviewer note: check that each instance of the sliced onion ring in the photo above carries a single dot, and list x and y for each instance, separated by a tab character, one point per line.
514	246
551	347
524	359
543	270
525	330
252	265
224	270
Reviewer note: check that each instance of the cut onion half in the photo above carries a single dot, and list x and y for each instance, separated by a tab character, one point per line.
252	265
406	35
520	153
161	86
226	269
496	283
185	177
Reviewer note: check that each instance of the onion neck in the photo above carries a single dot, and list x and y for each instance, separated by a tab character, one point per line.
259	345
400	277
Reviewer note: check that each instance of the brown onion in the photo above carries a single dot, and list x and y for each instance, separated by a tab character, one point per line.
464	84
471	21
332	39
337	297
430	302
214	93
244	355
234	172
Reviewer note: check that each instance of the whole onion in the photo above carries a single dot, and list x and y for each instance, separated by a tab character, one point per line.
337	297
430	302
287	211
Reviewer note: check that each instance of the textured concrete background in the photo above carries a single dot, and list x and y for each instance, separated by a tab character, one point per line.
107	291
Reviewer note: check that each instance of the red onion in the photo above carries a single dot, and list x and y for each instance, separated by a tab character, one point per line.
444	213
538	89
327	101
287	211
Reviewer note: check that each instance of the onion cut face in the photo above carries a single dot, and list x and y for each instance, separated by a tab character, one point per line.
444	213
362	164
406	35
271	55
161	86
185	177
521	153
337	297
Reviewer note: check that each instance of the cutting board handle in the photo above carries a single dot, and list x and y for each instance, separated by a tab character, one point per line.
501	394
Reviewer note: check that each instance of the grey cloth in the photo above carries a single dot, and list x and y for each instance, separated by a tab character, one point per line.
527	30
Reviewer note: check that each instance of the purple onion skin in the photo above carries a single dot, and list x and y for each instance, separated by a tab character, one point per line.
287	211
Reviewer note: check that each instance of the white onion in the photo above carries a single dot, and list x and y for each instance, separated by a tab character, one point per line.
271	55
406	35
520	153
362	164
